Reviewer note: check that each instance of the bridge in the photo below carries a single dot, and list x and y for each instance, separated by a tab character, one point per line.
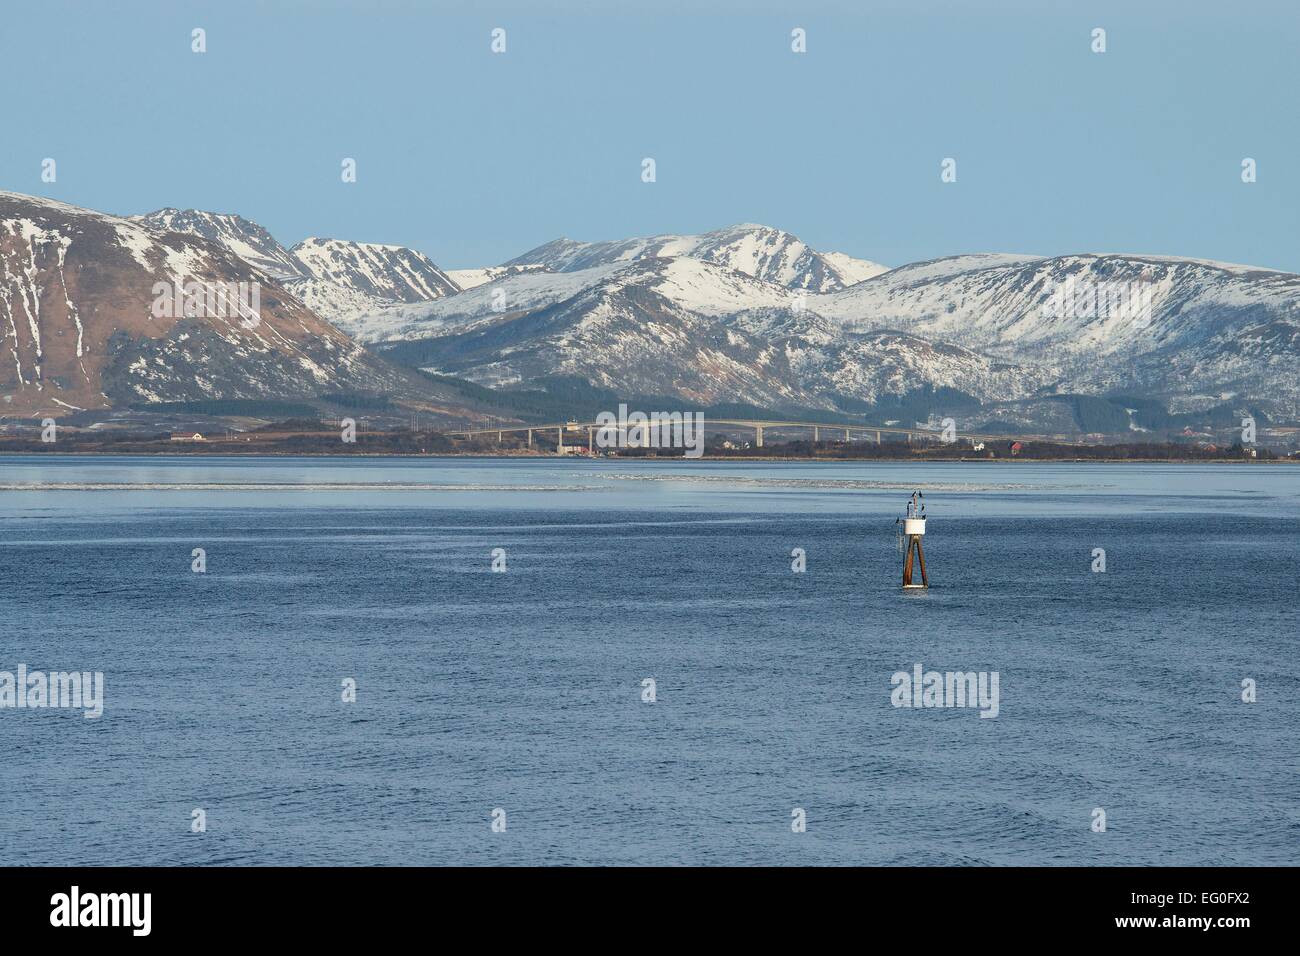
649	435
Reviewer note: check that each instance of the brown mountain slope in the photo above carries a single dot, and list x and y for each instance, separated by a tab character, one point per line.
90	317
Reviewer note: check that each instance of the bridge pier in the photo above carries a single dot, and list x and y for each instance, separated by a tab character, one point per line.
499	438
591	445
758	436
846	434
559	440
530	438
878	441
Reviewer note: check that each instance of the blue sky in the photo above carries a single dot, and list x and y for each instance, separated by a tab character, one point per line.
474	157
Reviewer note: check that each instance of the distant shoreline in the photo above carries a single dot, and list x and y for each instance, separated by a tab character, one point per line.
639	460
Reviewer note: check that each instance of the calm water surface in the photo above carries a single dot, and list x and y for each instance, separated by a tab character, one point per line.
522	690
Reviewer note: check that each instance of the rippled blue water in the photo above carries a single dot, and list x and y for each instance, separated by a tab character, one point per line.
522	690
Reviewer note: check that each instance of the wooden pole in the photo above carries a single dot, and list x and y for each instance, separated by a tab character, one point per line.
914	553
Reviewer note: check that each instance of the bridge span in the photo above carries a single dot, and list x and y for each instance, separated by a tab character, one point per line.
647	433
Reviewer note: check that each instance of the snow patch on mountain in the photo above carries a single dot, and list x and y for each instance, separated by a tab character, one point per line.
524	291
247	240
473	278
755	250
690	328
385	272
1004	303
851	271
335	278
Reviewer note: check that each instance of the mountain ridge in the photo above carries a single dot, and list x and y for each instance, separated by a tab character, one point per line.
1215	332
762	252
745	314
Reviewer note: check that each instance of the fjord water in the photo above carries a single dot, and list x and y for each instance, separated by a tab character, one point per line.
522	690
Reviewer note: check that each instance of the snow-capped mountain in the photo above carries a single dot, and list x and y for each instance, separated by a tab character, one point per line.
746	314
334	278
342	279
694	284
1194	331
520	292
394	273
998	327
246	239
829	363
682	327
472	278
88	315
619	334
848	270
758	251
